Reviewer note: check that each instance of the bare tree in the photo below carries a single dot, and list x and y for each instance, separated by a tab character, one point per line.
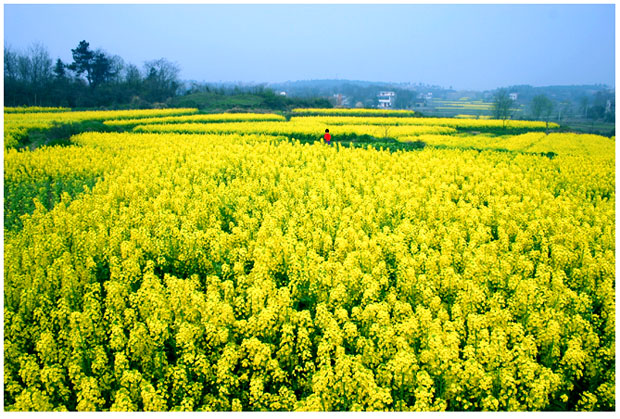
132	75
10	64
41	65
542	108
117	67
32	70
162	79
502	106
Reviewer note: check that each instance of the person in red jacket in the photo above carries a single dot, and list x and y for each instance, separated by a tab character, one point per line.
328	137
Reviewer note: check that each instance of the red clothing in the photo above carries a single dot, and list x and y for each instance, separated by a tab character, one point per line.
327	137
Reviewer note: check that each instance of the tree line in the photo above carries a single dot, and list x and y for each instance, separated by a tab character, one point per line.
93	78
601	107
96	79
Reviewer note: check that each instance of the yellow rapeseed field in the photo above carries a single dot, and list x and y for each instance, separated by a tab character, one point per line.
198	118
298	127
228	269
17	123
447	122
355	111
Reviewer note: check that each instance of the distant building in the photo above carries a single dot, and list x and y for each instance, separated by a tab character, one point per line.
282	93
386	100
513	96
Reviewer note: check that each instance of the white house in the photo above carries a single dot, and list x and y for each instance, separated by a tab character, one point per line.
386	100
513	96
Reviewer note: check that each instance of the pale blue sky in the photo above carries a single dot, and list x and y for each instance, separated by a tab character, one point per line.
464	46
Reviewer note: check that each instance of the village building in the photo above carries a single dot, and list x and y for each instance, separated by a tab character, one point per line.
386	100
